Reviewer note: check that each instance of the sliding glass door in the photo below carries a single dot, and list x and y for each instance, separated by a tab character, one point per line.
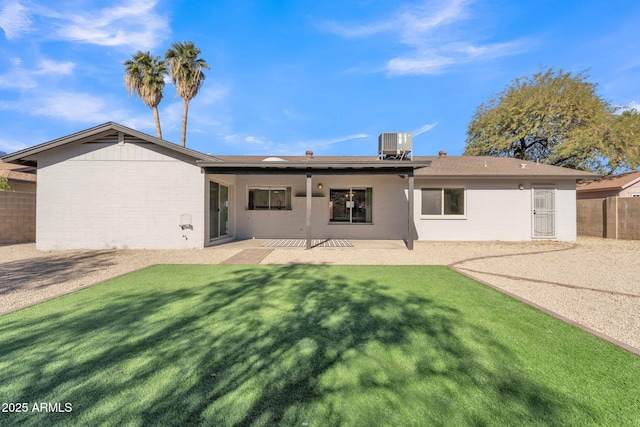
351	205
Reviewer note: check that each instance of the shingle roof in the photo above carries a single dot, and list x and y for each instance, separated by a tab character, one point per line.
441	166
610	182
488	166
445	167
17	172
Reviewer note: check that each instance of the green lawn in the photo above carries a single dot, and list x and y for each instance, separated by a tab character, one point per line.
307	345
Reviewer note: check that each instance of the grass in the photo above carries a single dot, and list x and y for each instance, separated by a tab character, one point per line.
321	345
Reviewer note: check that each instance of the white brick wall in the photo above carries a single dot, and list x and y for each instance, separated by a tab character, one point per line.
111	196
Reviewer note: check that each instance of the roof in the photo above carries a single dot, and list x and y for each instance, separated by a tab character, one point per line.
425	166
496	167
26	156
17	172
297	164
616	182
422	166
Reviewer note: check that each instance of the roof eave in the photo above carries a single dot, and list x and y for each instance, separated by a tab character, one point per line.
304	165
501	176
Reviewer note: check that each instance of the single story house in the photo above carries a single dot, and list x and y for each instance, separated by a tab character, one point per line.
619	185
114	187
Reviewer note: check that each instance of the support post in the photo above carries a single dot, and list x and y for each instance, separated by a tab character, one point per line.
410	225
309	189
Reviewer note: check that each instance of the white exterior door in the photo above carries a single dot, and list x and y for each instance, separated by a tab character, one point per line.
544	213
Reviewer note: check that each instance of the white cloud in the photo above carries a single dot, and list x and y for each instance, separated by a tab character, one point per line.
20	78
422	64
15	19
258	145
424	128
48	67
253	140
66	105
429	30
135	24
354	31
11	146
634	105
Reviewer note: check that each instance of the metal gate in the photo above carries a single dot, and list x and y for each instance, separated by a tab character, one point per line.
544	212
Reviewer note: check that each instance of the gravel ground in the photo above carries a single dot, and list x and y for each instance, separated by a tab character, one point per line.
594	283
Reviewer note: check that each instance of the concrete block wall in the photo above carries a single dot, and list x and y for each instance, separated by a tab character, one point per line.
629	218
17	217
613	217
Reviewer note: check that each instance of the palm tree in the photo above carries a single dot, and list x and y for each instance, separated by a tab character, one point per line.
185	69
144	77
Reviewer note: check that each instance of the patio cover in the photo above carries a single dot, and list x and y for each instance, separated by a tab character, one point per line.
325	167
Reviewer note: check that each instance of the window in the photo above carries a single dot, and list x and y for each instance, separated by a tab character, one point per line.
443	201
350	205
269	198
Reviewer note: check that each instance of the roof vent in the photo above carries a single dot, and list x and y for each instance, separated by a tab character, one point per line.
442	154
394	146
309	154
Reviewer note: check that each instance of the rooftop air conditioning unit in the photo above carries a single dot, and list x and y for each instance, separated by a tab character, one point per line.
394	146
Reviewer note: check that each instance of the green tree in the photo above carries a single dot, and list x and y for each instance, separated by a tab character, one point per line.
144	77
185	69
613	145
4	184
557	118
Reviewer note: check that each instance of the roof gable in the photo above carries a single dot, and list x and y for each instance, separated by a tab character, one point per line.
28	155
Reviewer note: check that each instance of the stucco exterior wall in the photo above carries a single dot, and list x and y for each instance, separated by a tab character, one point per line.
631	191
390	212
109	195
495	210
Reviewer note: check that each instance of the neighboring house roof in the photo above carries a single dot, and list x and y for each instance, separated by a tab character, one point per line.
20	173
26	156
610	183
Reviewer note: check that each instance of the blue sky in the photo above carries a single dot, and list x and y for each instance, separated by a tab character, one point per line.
288	76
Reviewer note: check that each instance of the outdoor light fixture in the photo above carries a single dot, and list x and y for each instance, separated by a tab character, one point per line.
320	186
520	186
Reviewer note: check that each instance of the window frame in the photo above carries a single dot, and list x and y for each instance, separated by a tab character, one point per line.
270	206
442	214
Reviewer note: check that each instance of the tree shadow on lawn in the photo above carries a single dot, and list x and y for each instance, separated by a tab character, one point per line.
279	345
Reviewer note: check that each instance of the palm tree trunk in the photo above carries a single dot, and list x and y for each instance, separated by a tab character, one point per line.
185	111
156	117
